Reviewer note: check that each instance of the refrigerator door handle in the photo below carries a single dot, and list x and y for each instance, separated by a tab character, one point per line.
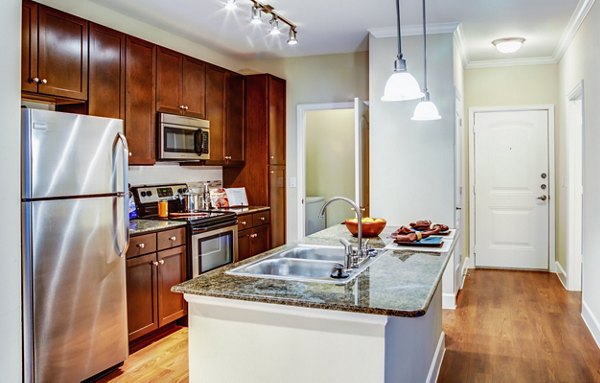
121	138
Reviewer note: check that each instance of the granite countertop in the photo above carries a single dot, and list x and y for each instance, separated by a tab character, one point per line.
142	226
398	283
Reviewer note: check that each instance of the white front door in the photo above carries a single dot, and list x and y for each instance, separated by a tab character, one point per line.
511	189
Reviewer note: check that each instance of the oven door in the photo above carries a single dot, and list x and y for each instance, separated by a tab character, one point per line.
213	248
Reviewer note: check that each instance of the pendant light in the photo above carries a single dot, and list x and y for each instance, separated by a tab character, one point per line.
401	85
425	110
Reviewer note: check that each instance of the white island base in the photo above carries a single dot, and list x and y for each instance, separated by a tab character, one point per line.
234	341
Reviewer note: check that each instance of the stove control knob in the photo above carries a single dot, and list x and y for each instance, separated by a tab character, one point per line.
149	193
143	194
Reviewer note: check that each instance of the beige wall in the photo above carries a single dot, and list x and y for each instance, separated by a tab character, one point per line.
330	159
581	63
313	80
10	195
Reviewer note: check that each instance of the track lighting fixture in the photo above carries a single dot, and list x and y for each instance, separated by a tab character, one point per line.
230	5
292	37
256	18
274	31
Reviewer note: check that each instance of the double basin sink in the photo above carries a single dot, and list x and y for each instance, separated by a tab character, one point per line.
301	263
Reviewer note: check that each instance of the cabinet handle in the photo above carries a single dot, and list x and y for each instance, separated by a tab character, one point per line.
155	263
262	218
36	80
243	223
173	238
44	81
141	245
162	261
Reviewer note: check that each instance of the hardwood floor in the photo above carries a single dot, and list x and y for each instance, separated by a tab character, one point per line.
517	326
509	326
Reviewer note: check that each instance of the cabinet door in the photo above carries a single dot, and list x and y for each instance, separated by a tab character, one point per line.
142	311
29	41
171	271
276	121
277	203
168	81
215	111
244	244
260	240
106	96
62	54
139	101
234	120
194	83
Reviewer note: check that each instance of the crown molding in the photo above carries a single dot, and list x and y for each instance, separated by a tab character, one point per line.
577	18
511	62
413	30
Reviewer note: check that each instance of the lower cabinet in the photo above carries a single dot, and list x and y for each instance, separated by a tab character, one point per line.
253	235
150	302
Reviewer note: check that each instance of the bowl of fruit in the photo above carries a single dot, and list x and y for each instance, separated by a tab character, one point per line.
371	227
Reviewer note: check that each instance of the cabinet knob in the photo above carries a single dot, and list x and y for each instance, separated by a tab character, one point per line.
272	157
262	218
130	154
141	245
44	81
155	263
243	223
36	80
173	238
272	172
162	262
186	107
181	107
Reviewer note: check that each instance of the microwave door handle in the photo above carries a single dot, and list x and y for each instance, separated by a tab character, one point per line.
198	142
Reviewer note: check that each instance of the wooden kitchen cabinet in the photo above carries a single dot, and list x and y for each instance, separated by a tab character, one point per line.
253	234
234	119
54	54
180	82
215	112
140	119
150	275
263	174
106	96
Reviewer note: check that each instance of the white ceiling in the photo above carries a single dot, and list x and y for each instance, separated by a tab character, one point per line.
328	26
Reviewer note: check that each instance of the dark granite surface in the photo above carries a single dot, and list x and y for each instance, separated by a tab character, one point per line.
143	226
398	283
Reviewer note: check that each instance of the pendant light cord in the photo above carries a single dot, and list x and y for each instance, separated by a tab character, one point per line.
425	52
399	32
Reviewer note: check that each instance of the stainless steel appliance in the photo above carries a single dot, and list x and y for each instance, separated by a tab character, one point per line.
183	138
75	235
212	234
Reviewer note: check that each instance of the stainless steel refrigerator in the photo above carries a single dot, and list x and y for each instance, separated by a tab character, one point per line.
75	235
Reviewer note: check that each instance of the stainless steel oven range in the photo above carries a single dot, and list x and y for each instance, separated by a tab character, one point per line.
211	234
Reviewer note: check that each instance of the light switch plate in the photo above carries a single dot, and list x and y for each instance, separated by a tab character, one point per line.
292	182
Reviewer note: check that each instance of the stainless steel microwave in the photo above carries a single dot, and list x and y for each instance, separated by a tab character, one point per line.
183	138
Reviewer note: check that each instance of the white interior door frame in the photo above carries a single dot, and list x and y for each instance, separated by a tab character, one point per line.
301	110
551	183
575	124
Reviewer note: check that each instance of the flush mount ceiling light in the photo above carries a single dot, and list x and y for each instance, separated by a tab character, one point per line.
258	9
401	85
508	44
425	110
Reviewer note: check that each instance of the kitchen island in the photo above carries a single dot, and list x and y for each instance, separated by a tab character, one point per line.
383	326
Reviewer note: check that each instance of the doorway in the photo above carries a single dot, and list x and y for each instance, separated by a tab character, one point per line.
332	161
512	187
574	190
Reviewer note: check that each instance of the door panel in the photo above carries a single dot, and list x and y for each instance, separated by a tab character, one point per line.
171	271
194	80
215	111
277	203
142	302
168	81
511	223
277	97
29	40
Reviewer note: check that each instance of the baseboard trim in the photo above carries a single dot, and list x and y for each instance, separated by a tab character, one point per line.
436	362
465	272
448	301
591	322
562	275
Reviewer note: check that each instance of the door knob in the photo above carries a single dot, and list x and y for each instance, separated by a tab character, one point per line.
543	198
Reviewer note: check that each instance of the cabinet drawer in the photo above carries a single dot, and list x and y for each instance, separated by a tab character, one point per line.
141	244
171	238
261	218
244	222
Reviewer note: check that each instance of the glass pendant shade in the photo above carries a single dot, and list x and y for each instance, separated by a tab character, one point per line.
426	111
401	86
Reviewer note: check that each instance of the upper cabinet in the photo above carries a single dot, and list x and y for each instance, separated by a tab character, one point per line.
276	112
54	53
234	119
180	84
215	112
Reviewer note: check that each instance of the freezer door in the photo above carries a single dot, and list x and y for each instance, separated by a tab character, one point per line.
75	298
68	154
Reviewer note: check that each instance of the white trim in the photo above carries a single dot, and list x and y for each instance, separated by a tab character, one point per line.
577	18
574	194
465	272
511	62
551	176
459	34
562	275
449	301
591	322
413	30
301	110
436	362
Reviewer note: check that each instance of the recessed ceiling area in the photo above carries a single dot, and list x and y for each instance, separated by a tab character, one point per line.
328	26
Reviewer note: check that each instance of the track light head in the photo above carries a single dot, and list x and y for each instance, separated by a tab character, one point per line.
274	31
230	5
256	18
292	40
